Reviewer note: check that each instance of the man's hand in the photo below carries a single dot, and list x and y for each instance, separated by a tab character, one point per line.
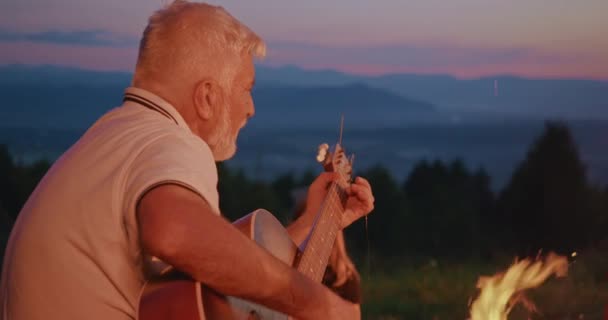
359	203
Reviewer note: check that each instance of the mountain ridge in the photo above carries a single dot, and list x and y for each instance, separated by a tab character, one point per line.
501	95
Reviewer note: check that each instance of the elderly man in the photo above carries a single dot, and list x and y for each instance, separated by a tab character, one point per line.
142	182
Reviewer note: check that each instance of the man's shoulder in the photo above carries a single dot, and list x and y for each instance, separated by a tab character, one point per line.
138	122
172	142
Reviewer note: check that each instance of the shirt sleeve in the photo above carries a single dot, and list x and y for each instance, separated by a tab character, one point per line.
186	161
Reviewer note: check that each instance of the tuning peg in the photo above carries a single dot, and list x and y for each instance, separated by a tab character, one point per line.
322	152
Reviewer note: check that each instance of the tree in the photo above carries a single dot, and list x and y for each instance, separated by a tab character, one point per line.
546	204
16	184
387	225
18	181
239	195
283	186
9	195
449	205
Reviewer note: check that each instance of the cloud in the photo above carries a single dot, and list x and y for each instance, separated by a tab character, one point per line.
88	38
457	60
400	56
432	59
86	57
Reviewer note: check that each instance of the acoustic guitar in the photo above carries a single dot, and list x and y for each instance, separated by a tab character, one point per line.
192	300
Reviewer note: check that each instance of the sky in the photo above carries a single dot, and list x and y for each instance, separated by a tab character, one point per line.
463	38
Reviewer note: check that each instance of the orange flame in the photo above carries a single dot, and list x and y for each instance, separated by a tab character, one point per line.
501	292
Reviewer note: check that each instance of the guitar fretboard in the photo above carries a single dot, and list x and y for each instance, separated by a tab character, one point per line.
324	231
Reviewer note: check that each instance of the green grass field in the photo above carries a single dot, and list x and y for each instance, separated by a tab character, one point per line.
437	290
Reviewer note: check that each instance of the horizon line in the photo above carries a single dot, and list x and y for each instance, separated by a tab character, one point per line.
335	70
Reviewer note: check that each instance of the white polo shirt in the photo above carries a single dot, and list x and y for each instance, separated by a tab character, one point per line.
74	251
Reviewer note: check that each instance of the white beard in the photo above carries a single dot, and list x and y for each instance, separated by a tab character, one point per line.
221	141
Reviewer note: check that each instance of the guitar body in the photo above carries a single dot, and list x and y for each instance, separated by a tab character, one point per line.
169	298
177	297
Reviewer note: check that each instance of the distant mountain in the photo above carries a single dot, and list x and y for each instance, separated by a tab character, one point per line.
292	75
53	97
56	106
496	97
569	98
573	99
49	75
361	105
45	109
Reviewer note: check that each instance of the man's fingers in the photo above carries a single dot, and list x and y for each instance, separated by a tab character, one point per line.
362	193
365	199
363	181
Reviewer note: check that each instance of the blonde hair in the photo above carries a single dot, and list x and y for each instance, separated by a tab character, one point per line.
186	38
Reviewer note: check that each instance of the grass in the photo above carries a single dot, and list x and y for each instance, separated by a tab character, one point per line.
437	290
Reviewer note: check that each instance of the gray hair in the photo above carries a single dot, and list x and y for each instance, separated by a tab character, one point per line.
186	37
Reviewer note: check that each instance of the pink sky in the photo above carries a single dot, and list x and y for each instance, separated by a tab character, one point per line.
464	38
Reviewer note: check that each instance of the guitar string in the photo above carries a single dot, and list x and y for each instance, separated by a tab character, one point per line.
328	226
332	224
308	258
321	227
335	200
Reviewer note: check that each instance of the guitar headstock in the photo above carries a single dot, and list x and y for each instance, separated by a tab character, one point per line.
336	161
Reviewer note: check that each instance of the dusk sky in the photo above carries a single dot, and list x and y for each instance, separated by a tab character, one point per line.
465	38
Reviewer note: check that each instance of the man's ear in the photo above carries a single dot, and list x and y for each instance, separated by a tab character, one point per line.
206	97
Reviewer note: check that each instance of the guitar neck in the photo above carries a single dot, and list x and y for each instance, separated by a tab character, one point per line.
321	240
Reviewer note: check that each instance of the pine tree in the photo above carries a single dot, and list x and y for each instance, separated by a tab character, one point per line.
546	205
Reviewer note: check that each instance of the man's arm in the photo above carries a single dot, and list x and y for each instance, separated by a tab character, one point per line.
178	226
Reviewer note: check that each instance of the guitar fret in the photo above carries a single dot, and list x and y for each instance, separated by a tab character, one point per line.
316	254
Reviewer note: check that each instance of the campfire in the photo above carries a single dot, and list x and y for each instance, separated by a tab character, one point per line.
501	292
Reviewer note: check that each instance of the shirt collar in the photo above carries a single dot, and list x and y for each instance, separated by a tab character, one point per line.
156	103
